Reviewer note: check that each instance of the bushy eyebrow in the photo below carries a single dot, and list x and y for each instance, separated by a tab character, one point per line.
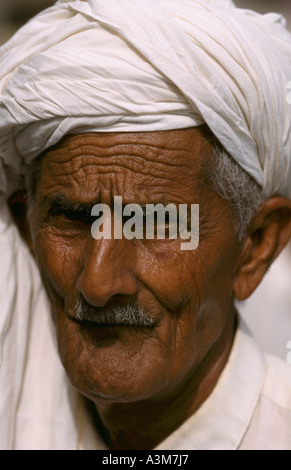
60	202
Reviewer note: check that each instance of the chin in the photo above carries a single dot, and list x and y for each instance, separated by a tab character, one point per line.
111	363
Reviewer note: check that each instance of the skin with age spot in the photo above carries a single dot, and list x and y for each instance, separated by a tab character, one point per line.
144	381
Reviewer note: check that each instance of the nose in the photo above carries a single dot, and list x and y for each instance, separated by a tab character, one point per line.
108	271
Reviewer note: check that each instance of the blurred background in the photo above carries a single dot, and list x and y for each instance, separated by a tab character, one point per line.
268	311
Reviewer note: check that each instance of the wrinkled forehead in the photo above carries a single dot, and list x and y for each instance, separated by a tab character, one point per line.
190	140
165	162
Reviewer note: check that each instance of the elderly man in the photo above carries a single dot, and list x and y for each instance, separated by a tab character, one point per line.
157	102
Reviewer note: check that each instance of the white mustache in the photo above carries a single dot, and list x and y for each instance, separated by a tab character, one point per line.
131	314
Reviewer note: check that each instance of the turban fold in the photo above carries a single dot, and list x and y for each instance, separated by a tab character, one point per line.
149	65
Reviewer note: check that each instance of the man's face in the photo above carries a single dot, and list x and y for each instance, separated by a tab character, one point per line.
187	293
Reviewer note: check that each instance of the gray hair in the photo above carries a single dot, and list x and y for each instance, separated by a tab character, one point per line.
230	181
131	314
221	173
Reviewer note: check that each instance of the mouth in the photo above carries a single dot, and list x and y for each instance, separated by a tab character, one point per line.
104	324
104	335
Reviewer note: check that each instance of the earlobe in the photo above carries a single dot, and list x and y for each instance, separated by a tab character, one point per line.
267	236
18	206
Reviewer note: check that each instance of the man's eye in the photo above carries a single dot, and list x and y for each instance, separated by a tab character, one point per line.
71	215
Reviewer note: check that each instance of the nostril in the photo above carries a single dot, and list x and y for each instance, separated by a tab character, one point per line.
99	292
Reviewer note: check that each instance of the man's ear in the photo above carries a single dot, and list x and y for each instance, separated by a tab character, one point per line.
18	207
268	234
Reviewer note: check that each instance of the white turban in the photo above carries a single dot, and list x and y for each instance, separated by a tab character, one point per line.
147	65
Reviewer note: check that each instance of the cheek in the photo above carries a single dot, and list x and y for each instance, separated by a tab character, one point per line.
213	300
173	287
167	272
196	290
59	259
